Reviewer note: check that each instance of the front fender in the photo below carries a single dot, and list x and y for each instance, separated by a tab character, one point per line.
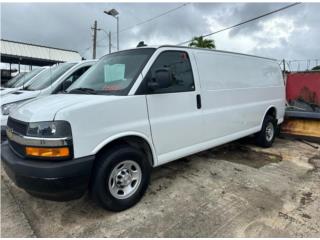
127	134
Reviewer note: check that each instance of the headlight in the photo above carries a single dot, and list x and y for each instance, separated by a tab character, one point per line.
6	109
55	129
55	140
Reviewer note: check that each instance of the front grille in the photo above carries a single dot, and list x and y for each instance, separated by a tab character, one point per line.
17	148
18	126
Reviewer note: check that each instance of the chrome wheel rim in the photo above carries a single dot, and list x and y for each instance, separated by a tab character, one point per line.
125	179
269	131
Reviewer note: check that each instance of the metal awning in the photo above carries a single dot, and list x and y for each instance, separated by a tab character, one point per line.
31	54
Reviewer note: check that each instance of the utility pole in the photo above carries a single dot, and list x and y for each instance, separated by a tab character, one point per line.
117	33
109	42
95	29
284	75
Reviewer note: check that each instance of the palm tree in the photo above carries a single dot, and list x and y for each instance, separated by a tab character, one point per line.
316	68
202	43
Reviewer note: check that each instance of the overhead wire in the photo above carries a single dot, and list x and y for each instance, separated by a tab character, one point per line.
205	35
244	22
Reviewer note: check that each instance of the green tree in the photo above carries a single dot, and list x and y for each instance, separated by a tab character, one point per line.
317	68
202	43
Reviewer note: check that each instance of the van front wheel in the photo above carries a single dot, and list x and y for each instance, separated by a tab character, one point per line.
121	177
266	136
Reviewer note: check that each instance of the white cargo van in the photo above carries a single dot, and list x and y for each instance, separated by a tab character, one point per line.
135	110
50	81
20	81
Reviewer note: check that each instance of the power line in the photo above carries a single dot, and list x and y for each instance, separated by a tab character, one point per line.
150	19
247	21
153	18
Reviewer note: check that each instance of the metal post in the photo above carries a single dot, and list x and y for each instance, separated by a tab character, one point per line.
117	33
94	39
114	13
109	42
284	75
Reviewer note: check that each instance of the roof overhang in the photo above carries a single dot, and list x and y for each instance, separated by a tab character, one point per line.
31	54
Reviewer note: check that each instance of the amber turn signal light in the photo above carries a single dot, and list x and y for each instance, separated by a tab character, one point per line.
48	152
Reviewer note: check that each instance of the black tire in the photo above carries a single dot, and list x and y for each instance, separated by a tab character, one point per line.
106	163
263	139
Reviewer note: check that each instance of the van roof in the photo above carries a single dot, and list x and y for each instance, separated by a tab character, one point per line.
84	61
203	49
215	50
80	62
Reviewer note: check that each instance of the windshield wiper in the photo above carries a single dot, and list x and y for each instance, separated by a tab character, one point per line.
83	90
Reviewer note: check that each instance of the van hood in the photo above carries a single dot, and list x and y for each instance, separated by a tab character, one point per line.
45	108
4	91
17	96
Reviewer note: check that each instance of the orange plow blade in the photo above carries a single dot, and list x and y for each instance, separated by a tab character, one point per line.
305	127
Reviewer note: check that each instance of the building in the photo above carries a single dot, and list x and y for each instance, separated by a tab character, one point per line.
21	53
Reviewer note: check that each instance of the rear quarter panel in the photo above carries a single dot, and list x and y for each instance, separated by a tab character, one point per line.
237	91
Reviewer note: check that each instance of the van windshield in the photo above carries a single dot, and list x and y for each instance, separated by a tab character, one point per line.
27	77
114	74
13	80
49	76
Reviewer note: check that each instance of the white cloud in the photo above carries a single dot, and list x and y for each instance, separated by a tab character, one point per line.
291	34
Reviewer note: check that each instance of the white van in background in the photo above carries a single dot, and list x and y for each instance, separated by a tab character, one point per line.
12	80
20	81
50	81
137	109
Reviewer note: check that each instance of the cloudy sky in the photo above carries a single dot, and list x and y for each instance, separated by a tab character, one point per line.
291	34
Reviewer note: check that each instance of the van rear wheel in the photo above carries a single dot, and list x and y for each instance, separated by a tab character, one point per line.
120	178
266	136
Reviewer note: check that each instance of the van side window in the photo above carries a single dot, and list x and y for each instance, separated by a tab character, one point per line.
74	76
71	79
179	66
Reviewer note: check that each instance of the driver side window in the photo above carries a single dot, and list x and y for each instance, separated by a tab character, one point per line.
179	66
71	79
74	76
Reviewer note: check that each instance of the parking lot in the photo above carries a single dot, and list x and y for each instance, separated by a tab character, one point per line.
237	190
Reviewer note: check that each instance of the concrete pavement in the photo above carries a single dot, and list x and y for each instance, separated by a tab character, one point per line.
237	190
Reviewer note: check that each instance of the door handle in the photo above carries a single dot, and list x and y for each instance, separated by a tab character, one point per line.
198	101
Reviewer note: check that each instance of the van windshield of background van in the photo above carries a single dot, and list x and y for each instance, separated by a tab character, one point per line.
114	74
15	79
49	76
27	77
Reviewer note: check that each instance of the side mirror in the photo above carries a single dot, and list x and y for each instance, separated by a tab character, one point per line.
66	84
161	79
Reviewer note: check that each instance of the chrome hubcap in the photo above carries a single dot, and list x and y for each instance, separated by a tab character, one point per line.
125	179
269	131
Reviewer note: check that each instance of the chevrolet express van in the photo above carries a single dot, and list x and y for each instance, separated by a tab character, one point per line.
50	81
20	81
135	110
12	80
